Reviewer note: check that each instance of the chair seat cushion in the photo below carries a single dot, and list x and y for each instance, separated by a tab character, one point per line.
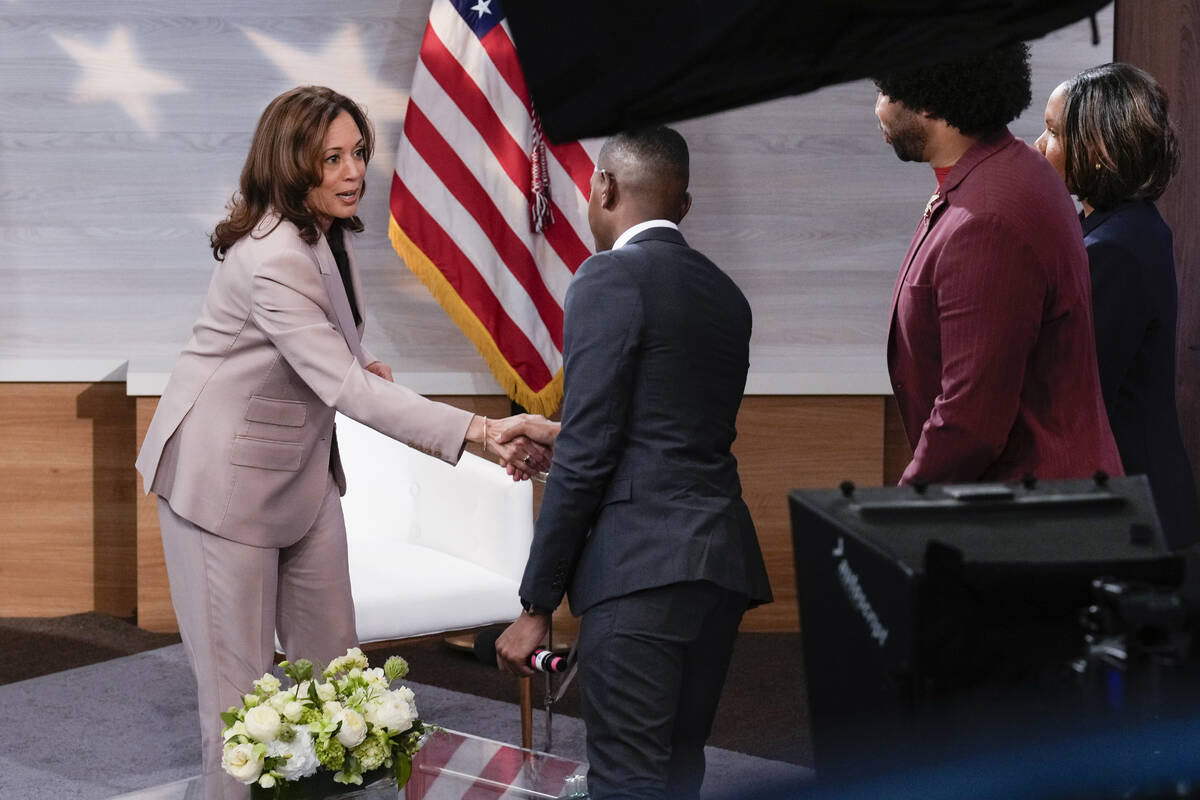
454	594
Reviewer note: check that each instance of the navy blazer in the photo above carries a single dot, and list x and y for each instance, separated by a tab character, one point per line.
1135	300
644	491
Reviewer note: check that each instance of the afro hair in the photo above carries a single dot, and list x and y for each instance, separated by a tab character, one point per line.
978	94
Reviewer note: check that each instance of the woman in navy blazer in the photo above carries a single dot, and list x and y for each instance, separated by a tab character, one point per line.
1109	136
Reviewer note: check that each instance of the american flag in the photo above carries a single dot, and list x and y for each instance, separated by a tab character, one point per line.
491	217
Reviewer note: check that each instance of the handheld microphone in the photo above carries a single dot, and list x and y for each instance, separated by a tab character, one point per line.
544	660
541	659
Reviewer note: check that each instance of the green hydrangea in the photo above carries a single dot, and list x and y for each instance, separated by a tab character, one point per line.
330	753
373	752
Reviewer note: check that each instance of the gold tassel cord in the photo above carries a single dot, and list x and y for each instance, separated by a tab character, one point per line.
543	402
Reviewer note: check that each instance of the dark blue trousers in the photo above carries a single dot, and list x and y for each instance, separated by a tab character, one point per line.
652	665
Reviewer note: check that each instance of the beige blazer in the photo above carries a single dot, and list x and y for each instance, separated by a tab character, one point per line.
243	437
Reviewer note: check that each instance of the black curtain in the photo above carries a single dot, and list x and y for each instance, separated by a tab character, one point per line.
598	67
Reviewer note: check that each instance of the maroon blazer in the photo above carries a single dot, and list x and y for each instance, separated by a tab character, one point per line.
991	349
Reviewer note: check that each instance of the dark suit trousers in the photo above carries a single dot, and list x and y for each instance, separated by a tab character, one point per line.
652	666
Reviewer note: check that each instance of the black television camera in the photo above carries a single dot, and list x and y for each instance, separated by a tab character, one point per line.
945	621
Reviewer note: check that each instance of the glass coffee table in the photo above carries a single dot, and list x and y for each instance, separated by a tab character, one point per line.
451	766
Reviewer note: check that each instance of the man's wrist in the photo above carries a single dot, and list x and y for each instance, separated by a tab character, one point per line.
535	610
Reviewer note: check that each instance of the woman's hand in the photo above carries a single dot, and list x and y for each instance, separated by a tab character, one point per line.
381	369
521	456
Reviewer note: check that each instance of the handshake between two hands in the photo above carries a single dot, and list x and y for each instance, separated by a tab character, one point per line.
523	442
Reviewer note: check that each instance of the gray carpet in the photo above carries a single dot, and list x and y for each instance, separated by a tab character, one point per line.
130	723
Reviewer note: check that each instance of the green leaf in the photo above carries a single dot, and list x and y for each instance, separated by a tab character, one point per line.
312	694
229	717
403	769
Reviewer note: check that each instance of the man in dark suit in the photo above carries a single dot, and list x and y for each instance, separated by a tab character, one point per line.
991	350
642	520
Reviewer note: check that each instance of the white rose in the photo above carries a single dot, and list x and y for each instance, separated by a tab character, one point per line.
268	684
326	691
303	761
332	709
279	701
240	762
396	711
263	723
293	711
353	730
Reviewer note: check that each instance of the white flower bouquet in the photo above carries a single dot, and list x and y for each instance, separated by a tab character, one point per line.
350	724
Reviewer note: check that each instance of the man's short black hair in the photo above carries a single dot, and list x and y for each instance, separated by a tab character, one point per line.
978	94
659	148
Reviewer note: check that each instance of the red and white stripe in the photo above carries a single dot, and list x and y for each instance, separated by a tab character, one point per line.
461	192
454	767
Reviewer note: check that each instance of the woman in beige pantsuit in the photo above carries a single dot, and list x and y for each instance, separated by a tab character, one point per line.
241	451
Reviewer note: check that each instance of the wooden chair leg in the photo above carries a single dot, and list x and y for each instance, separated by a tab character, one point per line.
526	713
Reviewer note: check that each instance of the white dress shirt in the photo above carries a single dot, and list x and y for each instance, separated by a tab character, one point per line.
629	233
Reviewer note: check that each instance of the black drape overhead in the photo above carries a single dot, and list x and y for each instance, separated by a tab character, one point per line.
597	67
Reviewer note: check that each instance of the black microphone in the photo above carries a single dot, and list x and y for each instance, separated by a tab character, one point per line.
541	659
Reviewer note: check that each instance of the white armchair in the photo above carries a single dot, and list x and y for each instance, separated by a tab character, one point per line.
433	548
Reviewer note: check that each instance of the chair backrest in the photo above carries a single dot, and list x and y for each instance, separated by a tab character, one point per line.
473	511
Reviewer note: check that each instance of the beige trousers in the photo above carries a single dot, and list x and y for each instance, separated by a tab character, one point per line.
231	598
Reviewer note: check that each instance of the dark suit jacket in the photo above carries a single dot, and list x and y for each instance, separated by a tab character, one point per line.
991	349
643	490
1135	300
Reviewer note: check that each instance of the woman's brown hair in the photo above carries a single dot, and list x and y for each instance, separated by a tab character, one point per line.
1120	142
284	163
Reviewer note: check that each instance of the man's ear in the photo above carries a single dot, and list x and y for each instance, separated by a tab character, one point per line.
685	206
608	194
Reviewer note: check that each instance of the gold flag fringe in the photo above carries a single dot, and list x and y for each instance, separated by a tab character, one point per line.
543	402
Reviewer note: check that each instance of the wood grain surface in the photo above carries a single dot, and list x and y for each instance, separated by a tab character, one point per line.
67	530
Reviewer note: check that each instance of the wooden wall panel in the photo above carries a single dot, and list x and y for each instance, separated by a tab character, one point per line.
787	443
1163	38
154	609
897	452
67	510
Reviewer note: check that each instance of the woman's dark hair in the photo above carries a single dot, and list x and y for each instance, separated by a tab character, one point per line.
284	162
978	94
1119	140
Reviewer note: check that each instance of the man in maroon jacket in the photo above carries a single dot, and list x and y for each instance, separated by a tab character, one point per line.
991	350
